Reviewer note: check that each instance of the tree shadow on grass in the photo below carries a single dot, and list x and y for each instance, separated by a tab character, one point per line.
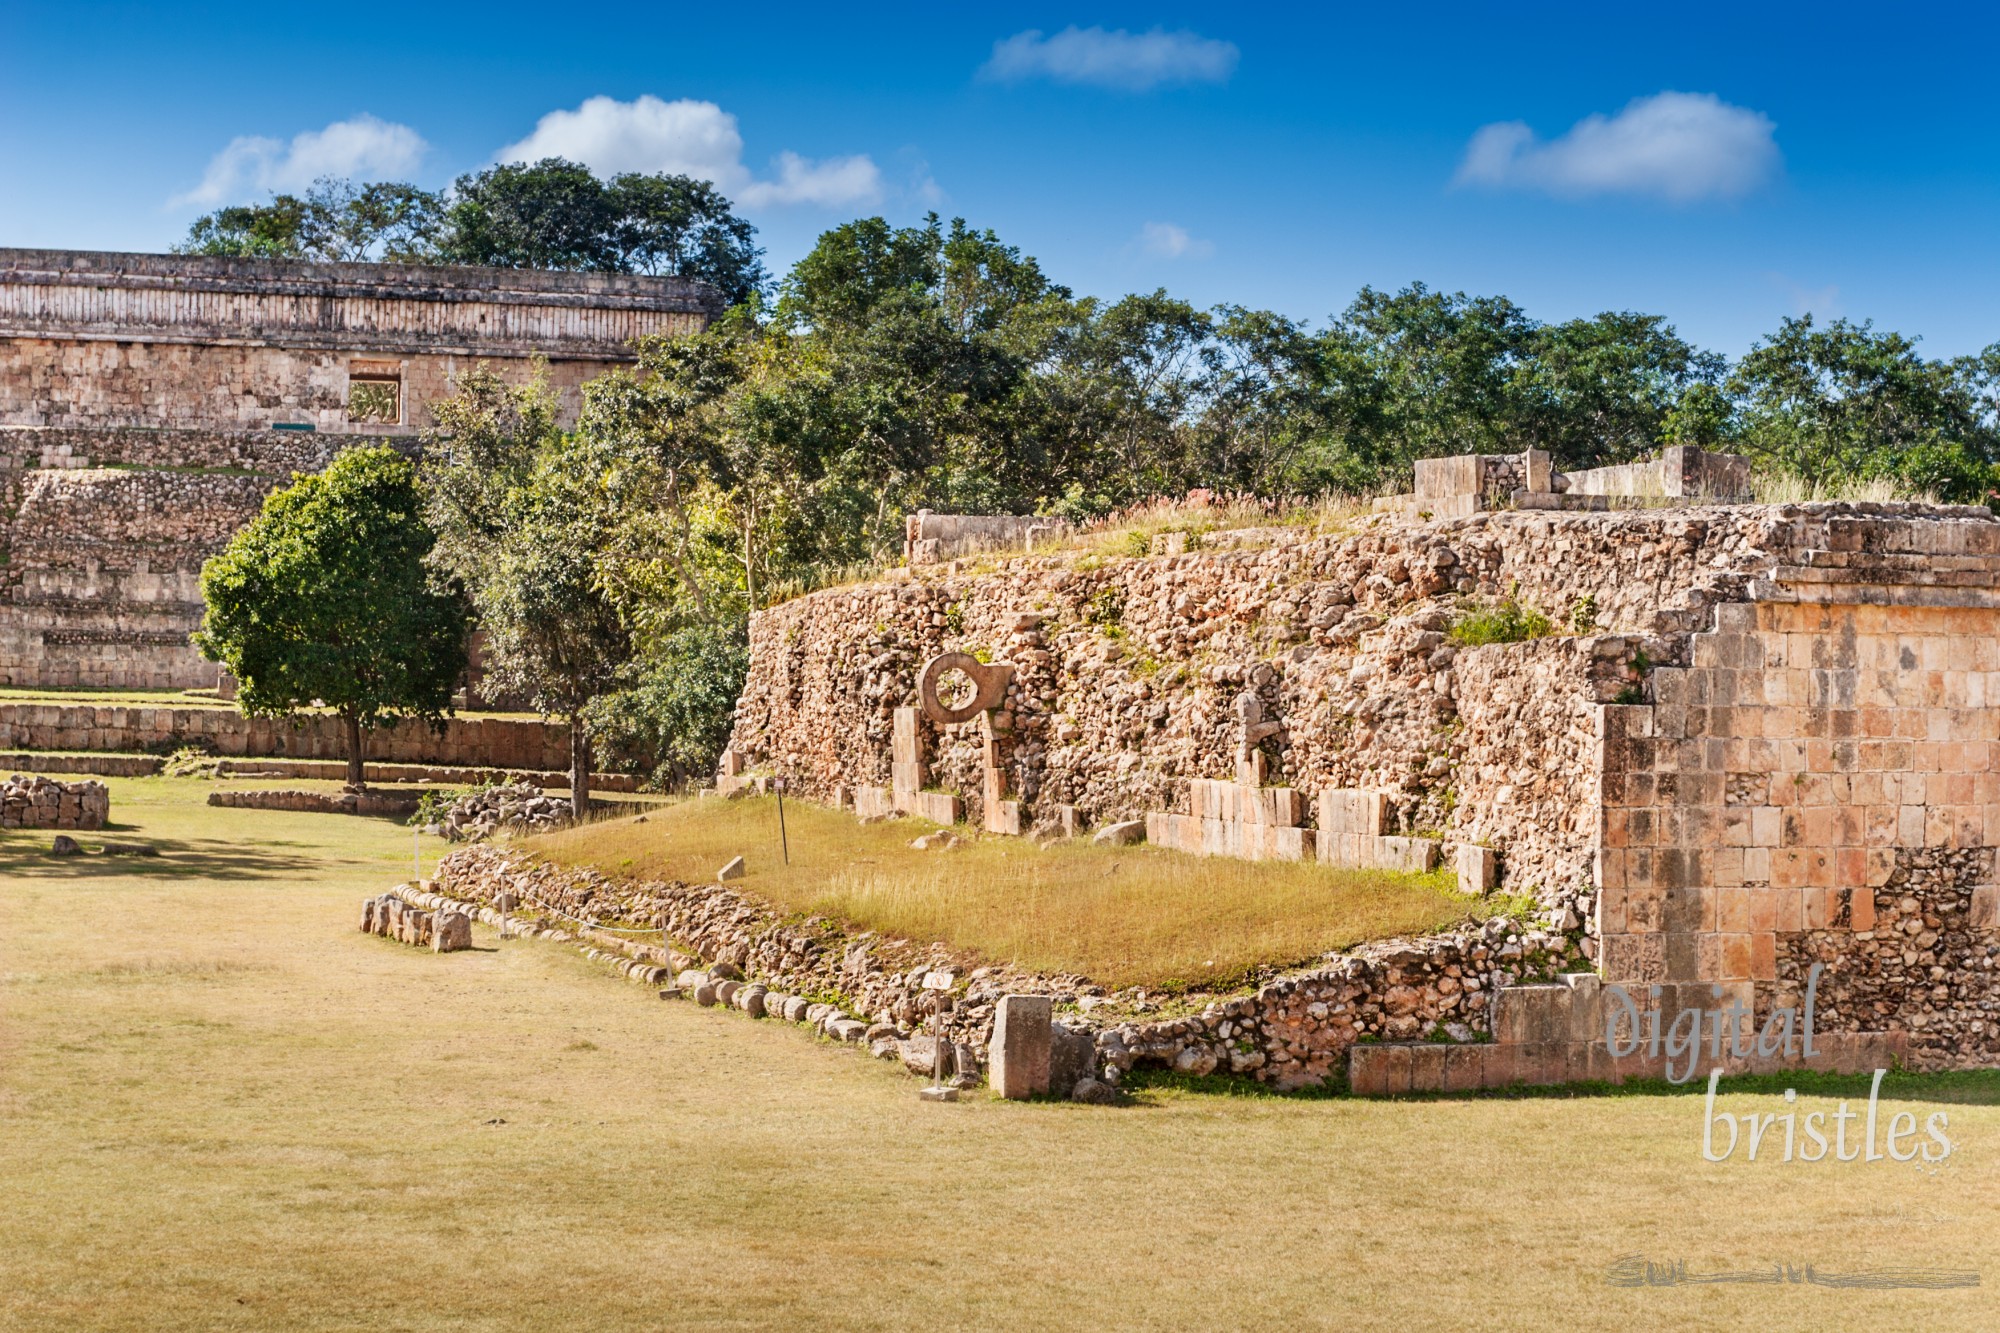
175	858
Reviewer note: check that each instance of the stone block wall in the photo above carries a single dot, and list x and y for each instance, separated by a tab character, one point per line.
484	742
1819	781
1761	738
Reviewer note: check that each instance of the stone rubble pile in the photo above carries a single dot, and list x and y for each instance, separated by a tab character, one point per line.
478	815
33	801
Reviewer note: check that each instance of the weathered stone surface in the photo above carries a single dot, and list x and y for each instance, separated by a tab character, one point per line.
1072	1055
33	801
451	932
1017	1060
143	400
1476	868
733	870
1122	834
1092	1092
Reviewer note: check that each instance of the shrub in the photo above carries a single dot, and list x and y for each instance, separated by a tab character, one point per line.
675	720
1506	621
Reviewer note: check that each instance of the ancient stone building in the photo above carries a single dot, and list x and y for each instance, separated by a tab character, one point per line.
1741	740
148	403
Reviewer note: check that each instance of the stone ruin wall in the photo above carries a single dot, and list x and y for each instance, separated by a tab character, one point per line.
1774	747
149	403
1127	688
485	742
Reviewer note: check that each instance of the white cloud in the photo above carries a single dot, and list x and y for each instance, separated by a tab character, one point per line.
1163	240
1676	146
361	146
1131	62
1820	302
691	138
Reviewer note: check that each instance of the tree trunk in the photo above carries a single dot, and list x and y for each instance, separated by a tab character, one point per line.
579	768
749	559
357	751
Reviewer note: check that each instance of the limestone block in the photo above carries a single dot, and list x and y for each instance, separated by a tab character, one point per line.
1004	818
873	803
1477	868
940	807
733	870
1072	1056
451	932
1437	478
1986	907
1018	1058
906	742
1343	811
1121	834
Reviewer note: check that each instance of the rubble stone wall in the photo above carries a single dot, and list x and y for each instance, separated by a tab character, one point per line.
1294	1031
40	802
1759	737
1127	687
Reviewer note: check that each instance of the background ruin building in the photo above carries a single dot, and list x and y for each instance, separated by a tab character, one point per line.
149	403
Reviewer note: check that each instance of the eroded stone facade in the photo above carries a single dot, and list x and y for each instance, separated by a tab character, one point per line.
148	403
1757	737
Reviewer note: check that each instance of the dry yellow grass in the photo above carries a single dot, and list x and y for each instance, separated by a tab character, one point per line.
221	1107
1121	915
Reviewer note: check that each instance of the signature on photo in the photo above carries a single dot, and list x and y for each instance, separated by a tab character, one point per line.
1635	1270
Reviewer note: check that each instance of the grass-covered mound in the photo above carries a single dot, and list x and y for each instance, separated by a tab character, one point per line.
1123	916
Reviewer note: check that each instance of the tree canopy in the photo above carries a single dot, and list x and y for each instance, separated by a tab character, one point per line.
326	599
551	214
523	525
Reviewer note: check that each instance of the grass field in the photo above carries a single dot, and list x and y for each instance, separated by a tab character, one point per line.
1122	916
221	1107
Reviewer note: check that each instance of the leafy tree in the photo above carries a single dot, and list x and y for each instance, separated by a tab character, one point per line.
522	525
250	231
325	599
1844	400
335	220
684	227
550	214
1598	391
679	712
556	214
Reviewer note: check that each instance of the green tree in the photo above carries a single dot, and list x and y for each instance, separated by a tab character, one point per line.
326	599
1601	390
683	227
1846	401
550	214
556	214
522	521
335	220
677	716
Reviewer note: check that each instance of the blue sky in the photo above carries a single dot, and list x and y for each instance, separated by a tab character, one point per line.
1721	167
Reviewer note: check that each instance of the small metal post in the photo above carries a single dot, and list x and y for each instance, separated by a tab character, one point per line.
784	840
